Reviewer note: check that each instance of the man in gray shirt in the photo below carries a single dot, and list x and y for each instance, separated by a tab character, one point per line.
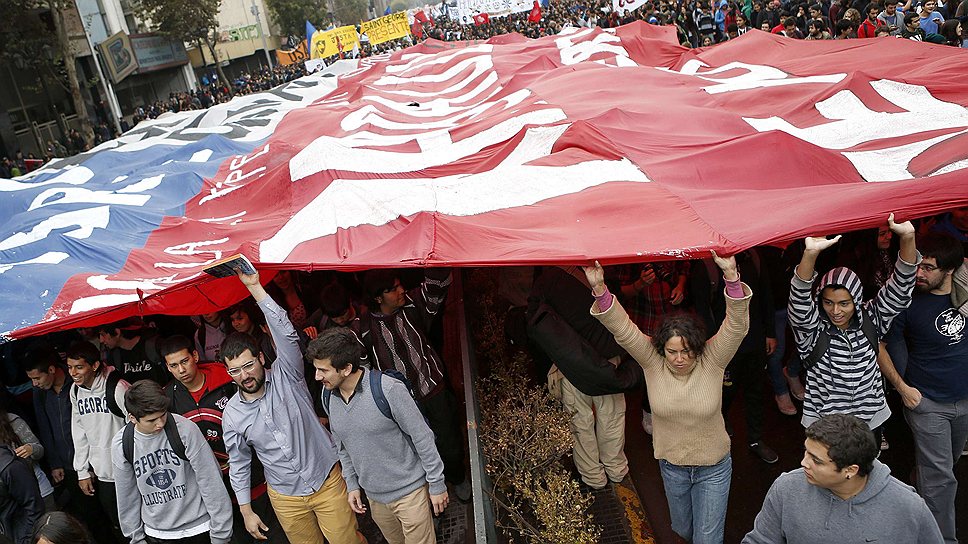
272	416
373	419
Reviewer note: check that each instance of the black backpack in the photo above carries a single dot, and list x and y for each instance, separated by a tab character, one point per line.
867	326
171	431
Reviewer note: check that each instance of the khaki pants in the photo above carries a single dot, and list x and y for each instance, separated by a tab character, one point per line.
598	425
306	520
408	520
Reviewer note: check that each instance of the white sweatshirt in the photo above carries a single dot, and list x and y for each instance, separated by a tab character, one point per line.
94	426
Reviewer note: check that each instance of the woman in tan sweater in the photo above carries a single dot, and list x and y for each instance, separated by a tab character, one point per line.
684	375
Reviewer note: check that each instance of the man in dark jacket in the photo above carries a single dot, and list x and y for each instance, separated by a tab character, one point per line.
20	500
598	420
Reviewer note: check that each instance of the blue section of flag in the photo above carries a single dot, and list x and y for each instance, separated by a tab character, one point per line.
310	30
387	11
95	213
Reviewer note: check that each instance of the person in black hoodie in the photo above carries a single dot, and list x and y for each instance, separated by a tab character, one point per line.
20	500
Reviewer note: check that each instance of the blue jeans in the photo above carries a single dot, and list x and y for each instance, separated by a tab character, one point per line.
697	499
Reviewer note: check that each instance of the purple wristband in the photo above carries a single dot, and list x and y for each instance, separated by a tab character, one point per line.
734	289
604	300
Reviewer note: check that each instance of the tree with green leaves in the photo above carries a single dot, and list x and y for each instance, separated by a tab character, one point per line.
189	21
351	12
291	15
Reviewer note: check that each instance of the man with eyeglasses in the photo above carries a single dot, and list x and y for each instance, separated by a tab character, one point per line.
930	337
199	392
272	417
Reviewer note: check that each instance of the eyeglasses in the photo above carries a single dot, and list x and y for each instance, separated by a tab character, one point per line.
237	371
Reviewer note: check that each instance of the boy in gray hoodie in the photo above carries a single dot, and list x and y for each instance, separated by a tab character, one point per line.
842	494
166	463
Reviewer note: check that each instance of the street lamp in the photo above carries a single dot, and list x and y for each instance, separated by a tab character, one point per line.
258	20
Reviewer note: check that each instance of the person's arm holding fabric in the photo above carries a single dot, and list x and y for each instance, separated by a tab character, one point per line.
288	356
607	309
896	293
802	310
723	345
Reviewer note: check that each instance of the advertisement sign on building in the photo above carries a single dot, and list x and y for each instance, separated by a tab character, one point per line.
155	52
119	57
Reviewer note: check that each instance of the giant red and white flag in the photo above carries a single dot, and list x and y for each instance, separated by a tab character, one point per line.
620	146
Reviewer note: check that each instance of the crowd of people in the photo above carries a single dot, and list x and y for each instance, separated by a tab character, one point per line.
324	396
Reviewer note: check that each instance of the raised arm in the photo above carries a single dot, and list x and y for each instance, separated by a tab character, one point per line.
896	293
611	314
802	309
723	345
288	355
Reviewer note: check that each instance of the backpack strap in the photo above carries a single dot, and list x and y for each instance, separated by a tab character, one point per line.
171	431
867	326
110	395
127	443
376	390
327	394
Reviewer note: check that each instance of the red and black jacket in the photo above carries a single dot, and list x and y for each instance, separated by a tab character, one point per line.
206	412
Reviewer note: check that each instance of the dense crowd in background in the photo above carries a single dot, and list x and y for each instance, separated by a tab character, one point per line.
698	24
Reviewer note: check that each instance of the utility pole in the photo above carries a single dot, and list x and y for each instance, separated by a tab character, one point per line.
113	104
258	21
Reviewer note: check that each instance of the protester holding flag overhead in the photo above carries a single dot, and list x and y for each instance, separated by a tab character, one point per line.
684	376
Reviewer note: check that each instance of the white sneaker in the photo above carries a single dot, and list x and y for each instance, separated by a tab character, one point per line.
647	422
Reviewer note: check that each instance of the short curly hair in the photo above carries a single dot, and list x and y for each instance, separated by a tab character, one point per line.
685	326
849	441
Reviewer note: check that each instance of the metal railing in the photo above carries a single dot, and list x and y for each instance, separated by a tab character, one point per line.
484	527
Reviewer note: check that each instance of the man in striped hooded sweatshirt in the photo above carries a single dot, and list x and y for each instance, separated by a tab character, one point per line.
845	379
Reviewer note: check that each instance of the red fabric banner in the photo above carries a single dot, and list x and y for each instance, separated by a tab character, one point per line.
621	146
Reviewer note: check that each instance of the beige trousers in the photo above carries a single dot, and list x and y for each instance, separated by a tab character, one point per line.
408	520
598	425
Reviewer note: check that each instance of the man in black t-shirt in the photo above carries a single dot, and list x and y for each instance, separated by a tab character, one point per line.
133	351
928	346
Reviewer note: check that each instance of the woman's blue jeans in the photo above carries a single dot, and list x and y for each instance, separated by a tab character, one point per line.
697	498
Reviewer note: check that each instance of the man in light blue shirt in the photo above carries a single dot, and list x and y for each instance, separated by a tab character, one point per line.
931	20
272	415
